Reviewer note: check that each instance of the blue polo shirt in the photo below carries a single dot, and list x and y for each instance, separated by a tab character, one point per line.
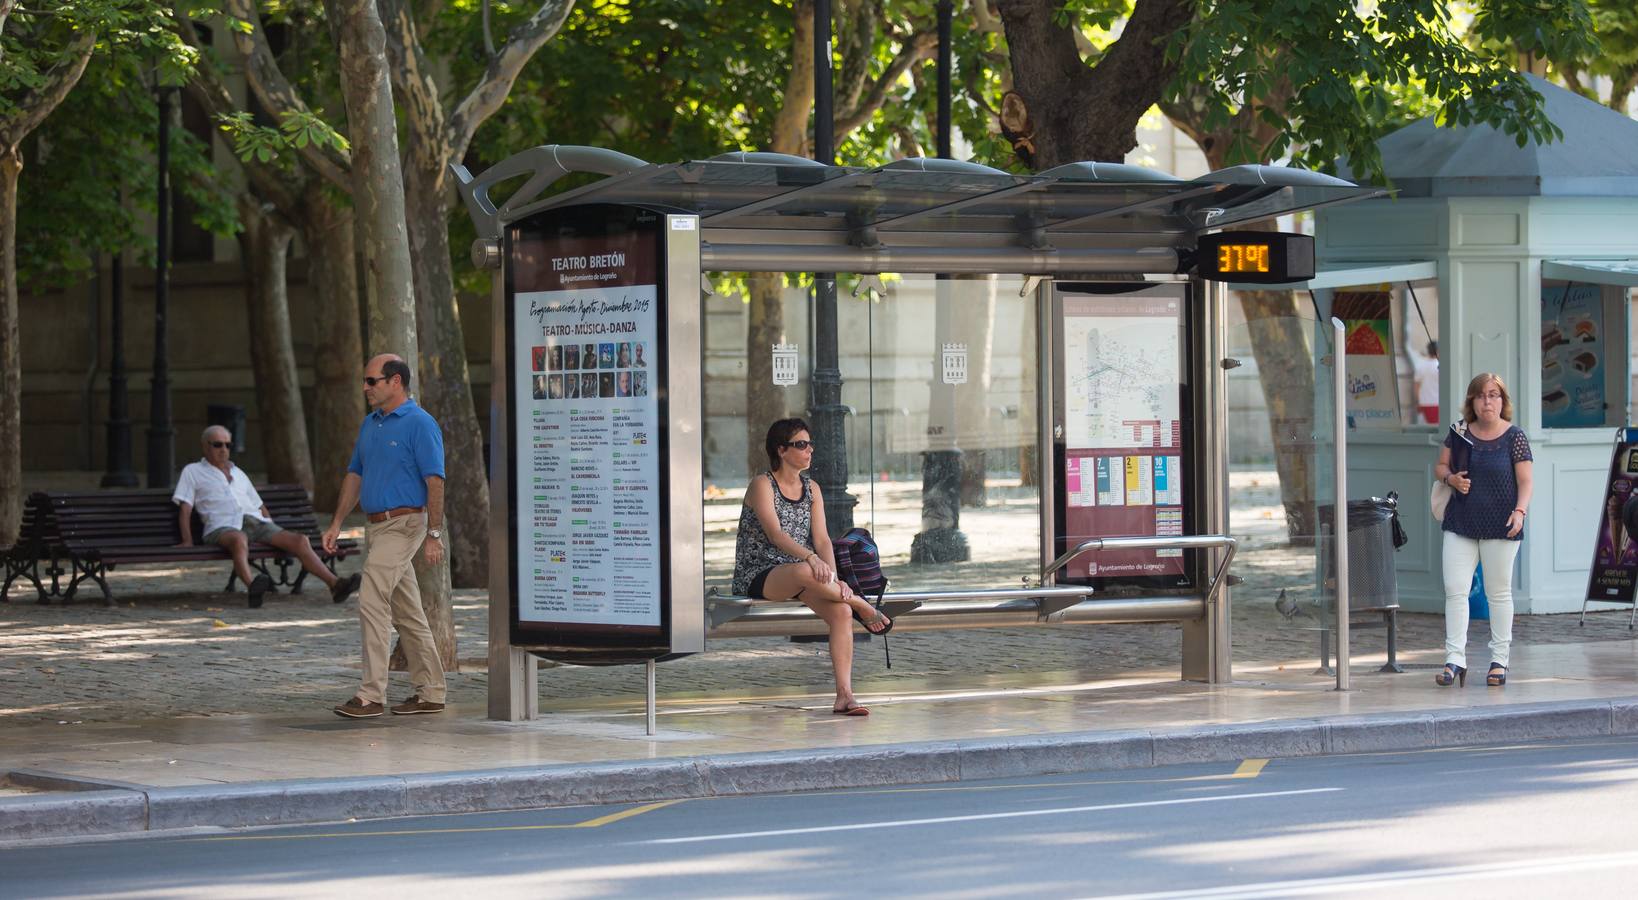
395	453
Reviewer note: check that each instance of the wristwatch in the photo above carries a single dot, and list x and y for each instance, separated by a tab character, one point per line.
435	533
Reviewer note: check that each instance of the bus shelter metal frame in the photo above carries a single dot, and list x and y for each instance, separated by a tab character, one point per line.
765	212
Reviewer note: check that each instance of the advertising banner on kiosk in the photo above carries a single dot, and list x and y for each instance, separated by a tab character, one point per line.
1373	392
1615	550
587	432
1122	394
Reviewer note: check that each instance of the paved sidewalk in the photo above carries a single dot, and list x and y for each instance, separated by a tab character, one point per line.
198	711
235	771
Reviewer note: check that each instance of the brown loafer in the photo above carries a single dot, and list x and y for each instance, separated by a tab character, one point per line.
358	709
416	705
345	586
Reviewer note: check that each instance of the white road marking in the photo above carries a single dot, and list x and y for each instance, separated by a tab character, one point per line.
907	823
1305	887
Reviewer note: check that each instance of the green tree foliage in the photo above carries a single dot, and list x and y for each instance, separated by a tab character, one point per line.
92	180
1537	40
1323	79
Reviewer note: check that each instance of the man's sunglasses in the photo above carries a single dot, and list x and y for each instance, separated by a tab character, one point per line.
798	445
220	445
372	381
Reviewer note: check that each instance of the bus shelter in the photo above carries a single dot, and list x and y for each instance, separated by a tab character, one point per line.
1015	380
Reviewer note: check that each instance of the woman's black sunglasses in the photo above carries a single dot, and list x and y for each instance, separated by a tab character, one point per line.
797	445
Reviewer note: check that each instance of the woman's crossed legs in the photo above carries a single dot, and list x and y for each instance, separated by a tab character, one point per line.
836	604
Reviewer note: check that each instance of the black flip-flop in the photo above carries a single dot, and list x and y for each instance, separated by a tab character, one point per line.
880	617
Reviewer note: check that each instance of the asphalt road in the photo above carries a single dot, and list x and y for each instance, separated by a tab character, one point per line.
1533	820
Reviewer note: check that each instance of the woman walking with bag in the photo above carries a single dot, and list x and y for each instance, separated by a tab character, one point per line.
1484	522
783	552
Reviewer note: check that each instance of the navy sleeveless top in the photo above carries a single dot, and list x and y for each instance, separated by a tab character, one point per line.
1482	512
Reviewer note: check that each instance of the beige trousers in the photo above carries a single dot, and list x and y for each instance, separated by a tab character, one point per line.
391	597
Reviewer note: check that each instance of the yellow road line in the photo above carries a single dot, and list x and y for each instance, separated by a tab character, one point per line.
611	818
598	822
1250	768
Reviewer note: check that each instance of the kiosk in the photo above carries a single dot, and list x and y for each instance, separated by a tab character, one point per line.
1105	272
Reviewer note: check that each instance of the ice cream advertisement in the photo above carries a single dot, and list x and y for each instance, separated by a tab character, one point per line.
1373	394
1572	356
1615	552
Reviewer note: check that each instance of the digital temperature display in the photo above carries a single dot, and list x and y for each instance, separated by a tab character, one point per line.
1242	258
1255	257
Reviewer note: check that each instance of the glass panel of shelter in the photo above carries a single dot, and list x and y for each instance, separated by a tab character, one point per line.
953	498
940	375
1282	485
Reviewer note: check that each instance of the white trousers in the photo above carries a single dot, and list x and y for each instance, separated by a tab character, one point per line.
1462	555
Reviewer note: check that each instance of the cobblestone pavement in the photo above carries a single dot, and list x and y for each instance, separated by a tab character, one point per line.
176	646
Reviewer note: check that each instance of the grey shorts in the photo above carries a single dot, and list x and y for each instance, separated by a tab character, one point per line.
255	530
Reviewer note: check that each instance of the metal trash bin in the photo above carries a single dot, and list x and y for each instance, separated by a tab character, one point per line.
1371	579
230	416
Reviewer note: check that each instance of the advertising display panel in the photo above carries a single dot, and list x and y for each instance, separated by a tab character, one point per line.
1122	353
1572	356
1373	393
587	436
1615	550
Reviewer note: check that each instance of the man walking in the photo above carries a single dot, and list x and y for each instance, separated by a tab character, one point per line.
397	471
235	515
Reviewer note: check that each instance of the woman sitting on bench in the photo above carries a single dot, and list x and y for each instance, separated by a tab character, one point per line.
784	553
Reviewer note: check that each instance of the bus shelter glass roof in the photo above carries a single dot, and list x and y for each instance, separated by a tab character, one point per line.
763	193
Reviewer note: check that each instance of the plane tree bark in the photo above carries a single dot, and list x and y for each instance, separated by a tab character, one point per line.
436	137
25	114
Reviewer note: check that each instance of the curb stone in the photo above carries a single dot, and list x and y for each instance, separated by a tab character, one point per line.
121	811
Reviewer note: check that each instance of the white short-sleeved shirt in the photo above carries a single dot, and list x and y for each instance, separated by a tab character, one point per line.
222	501
1426	369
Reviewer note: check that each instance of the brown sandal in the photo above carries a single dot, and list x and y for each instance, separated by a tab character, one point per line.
852	709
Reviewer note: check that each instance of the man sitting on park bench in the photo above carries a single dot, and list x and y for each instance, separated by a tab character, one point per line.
235	515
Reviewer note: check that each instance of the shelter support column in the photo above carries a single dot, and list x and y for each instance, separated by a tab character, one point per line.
1207	649
514	683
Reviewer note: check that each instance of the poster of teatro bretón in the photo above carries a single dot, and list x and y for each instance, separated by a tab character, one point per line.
1122	395
587	430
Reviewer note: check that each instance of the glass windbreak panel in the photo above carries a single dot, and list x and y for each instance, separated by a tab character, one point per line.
948	414
757	350
1282	483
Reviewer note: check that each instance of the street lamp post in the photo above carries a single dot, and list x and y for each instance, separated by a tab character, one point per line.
161	443
119	473
828	414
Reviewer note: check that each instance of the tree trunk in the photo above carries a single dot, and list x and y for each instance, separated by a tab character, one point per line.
265	244
765	323
338	347
1077	112
378	179
23	116
1285	366
11	359
446	386
389	274
765	327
